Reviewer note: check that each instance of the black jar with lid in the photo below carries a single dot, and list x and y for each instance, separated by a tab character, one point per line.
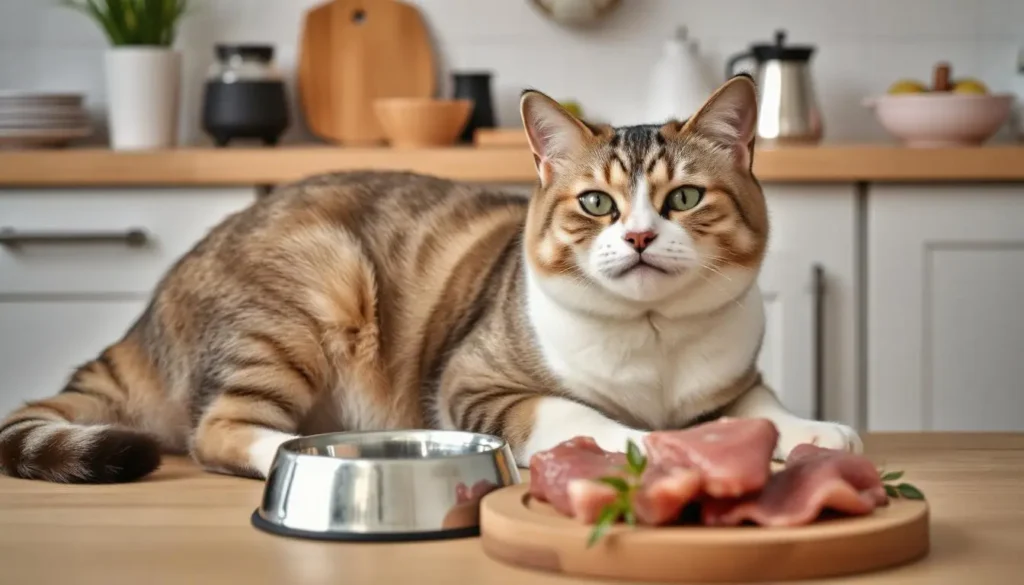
245	96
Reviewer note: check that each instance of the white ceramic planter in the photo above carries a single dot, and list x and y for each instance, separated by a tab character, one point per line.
143	95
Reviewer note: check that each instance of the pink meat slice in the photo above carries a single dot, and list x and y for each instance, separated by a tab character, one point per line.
579	458
814	480
565	476
733	455
664	493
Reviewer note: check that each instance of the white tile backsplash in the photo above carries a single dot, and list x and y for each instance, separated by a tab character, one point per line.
862	47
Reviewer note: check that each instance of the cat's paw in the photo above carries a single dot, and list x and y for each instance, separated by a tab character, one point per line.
829	435
617	440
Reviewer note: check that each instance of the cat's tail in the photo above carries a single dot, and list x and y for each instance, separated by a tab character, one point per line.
77	436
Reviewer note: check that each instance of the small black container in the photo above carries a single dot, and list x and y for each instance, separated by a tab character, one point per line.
476	86
245	96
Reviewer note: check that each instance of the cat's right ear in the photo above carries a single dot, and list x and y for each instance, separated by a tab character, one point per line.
555	135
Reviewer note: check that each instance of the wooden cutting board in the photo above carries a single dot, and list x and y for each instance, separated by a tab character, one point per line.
521	531
353	52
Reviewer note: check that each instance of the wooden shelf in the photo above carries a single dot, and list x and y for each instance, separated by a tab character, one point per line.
499	164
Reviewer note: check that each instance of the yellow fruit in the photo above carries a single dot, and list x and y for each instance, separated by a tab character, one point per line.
573	108
969	86
907	86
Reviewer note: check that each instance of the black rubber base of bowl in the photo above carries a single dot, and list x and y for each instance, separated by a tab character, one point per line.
265	526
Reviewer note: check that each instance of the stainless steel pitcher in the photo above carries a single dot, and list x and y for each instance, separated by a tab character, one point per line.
788	107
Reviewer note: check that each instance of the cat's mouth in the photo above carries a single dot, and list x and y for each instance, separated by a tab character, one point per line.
640	266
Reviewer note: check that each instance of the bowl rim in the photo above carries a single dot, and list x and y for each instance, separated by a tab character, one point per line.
938	96
289	446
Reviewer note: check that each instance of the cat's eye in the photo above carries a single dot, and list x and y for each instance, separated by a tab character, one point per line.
684	198
597	203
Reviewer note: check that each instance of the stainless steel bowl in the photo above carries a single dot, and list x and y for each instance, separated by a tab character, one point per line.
383	486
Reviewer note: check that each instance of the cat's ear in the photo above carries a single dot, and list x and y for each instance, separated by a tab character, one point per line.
555	135
729	118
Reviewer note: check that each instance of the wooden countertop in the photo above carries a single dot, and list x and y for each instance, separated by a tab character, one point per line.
501	164
185	526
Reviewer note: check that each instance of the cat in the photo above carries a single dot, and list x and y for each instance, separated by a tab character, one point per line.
620	298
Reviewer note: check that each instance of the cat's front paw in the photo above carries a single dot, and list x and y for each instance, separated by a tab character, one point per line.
829	435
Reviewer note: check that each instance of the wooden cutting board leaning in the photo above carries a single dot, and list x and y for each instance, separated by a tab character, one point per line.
353	52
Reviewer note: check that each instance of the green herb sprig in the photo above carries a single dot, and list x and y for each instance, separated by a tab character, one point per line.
625	488
899	490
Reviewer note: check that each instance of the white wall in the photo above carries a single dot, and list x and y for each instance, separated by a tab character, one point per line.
863	46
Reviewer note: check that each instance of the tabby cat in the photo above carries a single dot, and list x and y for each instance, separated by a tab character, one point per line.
621	297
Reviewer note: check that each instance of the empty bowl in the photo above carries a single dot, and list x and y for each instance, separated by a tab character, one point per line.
422	122
942	119
383	485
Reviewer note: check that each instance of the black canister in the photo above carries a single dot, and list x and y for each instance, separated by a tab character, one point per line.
476	86
245	96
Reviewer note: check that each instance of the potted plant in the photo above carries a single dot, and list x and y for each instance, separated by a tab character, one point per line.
143	71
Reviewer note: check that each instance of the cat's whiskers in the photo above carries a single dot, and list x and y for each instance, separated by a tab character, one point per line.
716	271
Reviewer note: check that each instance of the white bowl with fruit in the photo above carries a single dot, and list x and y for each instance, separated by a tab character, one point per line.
949	113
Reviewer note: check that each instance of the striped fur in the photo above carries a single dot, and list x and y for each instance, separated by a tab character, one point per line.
384	300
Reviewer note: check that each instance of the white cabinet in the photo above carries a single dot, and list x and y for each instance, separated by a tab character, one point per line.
814	227
945	287
790	351
72	281
41	343
61	253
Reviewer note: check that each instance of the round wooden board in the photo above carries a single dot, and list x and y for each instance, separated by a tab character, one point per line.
518	530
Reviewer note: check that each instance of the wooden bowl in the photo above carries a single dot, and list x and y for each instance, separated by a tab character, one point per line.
422	122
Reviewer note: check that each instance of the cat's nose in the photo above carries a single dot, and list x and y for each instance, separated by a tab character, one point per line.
640	240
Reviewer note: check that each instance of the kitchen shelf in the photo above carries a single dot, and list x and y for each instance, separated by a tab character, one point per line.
499	164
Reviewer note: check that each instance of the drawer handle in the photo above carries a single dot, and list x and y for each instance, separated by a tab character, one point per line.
12	238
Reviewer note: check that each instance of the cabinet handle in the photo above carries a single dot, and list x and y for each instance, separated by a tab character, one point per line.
12	238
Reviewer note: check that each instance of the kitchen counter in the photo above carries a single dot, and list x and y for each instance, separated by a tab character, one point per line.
509	164
185	526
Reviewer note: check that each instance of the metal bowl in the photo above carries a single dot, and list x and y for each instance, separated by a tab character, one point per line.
384	485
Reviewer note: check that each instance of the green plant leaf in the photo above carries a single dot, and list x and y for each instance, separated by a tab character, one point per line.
134	22
618	483
637	461
910	492
630	516
891	492
892	476
609	515
115	11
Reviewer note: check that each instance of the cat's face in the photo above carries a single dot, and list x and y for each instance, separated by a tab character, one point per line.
648	214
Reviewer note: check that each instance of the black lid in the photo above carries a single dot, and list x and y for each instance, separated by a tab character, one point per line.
781	51
258	52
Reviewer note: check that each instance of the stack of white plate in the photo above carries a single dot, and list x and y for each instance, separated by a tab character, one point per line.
41	119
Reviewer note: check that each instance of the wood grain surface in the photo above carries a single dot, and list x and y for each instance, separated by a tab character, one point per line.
266	166
526	533
186	526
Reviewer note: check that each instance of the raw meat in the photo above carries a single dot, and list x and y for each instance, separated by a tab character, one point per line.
579	458
733	455
814	480
565	475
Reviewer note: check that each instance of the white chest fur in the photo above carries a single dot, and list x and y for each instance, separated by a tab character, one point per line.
658	369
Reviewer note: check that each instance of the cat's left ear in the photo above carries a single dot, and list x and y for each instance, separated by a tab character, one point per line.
555	135
729	118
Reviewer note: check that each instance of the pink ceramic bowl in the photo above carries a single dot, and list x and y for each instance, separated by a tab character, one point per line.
942	119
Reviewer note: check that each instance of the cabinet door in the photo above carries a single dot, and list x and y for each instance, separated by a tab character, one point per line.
41	343
76	240
818	224
790	353
946	330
